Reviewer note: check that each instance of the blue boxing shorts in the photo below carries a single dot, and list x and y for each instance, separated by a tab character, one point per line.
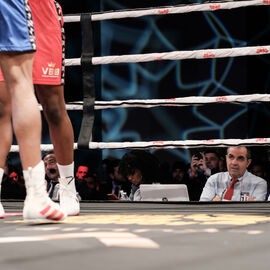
16	26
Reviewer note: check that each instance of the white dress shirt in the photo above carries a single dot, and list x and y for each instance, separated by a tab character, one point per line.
248	186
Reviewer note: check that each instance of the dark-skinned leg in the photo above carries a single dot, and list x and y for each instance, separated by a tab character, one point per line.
52	100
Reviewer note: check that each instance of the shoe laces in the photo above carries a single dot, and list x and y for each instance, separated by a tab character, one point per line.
66	187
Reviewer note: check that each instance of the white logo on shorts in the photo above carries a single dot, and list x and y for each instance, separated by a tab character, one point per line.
50	71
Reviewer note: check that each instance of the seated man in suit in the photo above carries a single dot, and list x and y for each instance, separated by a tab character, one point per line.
237	184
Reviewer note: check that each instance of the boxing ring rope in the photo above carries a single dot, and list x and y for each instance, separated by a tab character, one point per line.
211	6
177	55
165	144
176	102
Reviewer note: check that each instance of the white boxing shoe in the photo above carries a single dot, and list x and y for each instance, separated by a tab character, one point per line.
2	211
42	208
37	205
69	201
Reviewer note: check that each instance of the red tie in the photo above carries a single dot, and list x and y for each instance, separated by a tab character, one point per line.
229	193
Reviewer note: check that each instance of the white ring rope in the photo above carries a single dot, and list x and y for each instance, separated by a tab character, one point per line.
176	55
212	6
173	102
165	144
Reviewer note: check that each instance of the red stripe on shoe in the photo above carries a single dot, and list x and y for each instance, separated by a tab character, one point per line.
45	210
76	214
54	213
61	216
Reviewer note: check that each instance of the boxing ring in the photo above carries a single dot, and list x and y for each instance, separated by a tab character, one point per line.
145	235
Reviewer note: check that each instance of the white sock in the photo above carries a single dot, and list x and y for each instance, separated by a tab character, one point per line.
66	170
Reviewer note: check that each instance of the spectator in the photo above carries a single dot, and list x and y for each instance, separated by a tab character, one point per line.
206	163
13	186
237	183
197	177
212	162
260	169
92	188
179	173
203	164
139	167
52	175
14	176
81	172
222	164
114	182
